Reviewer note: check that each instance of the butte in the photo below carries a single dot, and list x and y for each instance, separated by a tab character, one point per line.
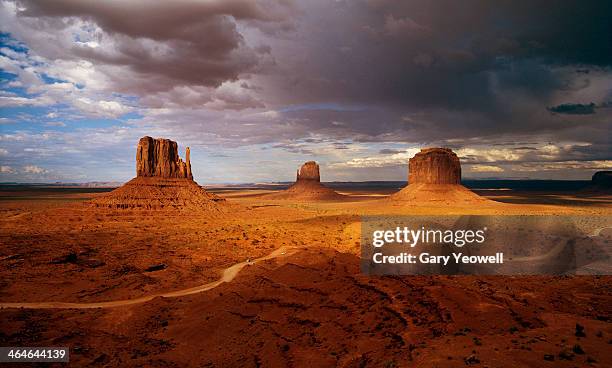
602	181
601	184
307	186
434	176
163	181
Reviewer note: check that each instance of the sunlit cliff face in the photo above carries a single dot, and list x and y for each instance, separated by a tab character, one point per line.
258	87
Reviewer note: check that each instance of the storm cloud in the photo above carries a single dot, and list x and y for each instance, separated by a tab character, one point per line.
573	109
156	45
327	79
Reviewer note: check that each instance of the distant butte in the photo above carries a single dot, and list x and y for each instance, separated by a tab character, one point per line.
601	184
434	176
163	181
602	180
307	186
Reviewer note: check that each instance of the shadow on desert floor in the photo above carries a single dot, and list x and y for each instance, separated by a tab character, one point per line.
548	198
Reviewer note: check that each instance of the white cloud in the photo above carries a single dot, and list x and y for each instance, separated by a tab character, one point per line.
3	152
487	154
485	168
15	101
111	109
6	170
11	137
79	84
379	161
33	169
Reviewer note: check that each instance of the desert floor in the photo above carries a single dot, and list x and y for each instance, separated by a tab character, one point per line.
295	296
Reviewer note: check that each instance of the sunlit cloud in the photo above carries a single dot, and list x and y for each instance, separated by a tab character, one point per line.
485	168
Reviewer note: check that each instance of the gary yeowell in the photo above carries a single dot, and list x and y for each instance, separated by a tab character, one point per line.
411	238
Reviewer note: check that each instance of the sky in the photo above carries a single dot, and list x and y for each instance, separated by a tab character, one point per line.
256	87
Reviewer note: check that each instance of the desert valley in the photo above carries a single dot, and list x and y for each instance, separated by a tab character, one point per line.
161	272
305	183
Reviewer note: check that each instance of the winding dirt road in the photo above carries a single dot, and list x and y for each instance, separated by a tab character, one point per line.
228	275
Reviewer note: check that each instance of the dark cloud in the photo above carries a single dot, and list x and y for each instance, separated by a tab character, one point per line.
416	52
388	151
168	43
159	20
573	109
459	68
298	77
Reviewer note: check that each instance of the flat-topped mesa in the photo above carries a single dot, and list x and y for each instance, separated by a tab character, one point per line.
434	178
158	157
309	172
434	166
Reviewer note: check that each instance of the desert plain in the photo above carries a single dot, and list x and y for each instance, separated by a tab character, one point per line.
305	304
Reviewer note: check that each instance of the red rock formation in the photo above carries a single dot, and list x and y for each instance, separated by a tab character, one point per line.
434	177
154	193
309	171
188	163
159	158
434	166
163	181
307	186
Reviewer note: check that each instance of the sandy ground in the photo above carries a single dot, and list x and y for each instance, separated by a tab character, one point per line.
311	307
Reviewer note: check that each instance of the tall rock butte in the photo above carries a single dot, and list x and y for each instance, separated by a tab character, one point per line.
163	181
434	176
307	186
159	157
434	166
309	172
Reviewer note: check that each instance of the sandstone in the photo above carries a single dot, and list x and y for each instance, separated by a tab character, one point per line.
155	193
434	177
163	181
309	171
158	157
434	166
307	186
